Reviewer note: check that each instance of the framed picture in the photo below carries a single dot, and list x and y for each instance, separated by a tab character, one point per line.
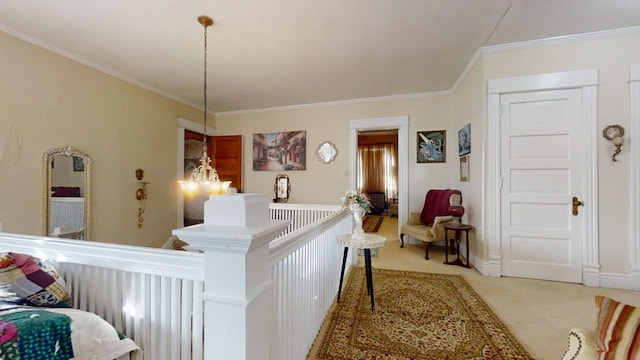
464	168
78	164
431	146
278	151
464	140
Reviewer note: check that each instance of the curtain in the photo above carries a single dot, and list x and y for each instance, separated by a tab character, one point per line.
378	169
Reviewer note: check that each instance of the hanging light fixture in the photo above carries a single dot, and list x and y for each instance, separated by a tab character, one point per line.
204	178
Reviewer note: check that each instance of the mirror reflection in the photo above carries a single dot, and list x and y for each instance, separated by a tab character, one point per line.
327	152
67	193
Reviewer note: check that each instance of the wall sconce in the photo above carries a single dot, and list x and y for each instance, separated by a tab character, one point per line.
614	133
141	195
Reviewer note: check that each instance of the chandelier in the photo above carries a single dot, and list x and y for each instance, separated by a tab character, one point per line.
204	178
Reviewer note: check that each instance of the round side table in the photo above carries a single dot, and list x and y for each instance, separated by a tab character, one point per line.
369	242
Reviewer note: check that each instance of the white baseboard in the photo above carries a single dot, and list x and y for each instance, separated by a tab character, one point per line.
591	276
616	281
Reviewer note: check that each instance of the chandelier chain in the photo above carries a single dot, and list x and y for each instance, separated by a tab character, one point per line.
204	133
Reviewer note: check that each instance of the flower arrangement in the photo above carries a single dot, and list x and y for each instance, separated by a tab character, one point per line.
353	197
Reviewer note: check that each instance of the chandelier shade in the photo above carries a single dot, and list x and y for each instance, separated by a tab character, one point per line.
204	178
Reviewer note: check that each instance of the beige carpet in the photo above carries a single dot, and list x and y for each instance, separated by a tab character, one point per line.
417	316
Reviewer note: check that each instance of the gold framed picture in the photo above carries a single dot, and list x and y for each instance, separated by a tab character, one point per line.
464	168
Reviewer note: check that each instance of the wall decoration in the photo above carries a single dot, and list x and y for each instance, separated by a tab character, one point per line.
464	140
78	164
431	146
279	151
464	168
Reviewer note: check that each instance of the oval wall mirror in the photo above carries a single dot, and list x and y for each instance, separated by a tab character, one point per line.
67	193
327	152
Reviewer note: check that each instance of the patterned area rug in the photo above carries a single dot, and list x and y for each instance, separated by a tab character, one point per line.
417	316
371	224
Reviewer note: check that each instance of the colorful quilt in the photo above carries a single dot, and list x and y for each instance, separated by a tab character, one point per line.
35	334
32	281
60	333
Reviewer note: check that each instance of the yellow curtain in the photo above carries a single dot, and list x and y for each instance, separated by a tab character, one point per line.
378	169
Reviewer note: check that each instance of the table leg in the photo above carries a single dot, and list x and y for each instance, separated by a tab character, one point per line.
367	262
344	261
467	240
446	246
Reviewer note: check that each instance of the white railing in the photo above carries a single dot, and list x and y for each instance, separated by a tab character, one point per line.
154	295
305	270
150	295
300	215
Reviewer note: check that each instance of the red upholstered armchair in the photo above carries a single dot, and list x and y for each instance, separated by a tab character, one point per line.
426	226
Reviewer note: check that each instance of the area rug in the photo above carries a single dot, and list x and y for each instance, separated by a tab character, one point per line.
371	224
417	316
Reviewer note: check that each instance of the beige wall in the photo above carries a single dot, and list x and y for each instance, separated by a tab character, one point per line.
326	183
469	107
49	101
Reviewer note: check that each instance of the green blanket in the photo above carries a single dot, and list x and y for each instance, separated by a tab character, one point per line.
35	334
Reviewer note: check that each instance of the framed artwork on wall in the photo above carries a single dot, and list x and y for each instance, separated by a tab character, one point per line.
78	164
464	140
431	146
464	168
278	151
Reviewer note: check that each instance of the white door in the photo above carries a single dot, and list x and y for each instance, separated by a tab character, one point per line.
541	166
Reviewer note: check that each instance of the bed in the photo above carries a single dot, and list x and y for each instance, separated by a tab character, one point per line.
38	322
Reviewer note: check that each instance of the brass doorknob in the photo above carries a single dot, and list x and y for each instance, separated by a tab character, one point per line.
574	205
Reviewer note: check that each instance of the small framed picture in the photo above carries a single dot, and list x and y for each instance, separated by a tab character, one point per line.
78	164
431	146
464	168
464	140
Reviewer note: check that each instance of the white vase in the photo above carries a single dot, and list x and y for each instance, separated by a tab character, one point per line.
358	214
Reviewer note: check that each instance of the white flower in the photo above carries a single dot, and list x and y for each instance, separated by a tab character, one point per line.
352	197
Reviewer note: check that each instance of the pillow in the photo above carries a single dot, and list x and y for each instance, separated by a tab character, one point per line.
65	191
28	279
436	203
617	330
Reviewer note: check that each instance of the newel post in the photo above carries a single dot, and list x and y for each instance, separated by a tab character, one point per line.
237	294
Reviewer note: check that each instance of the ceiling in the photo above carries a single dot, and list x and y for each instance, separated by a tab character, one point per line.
290	52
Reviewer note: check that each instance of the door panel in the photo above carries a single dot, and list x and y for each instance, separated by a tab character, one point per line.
228	159
541	163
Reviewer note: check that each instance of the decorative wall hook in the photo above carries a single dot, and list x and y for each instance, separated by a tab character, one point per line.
614	133
141	195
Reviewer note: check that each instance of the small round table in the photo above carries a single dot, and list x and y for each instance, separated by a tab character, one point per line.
456	228
369	242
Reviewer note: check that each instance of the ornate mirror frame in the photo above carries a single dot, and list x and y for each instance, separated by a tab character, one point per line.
282	188
327	152
48	156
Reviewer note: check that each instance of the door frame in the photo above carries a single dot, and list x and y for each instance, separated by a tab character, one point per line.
184	124
634	89
401	123
587	81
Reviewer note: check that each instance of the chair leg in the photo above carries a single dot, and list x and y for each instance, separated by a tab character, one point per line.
426	250
402	239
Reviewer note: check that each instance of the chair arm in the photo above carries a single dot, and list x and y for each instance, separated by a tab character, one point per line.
414	219
437	231
581	345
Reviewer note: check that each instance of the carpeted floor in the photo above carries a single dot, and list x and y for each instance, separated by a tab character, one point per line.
417	316
371	224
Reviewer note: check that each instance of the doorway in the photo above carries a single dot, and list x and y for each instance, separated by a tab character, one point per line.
401	125
377	172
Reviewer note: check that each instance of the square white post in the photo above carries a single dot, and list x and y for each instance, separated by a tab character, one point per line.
238	285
